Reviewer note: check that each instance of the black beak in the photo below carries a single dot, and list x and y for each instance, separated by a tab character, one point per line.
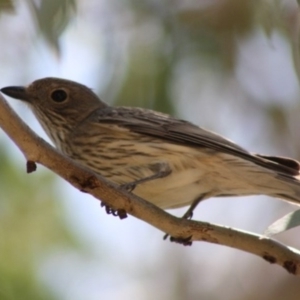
17	92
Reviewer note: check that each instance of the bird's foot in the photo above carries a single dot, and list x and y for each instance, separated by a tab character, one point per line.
188	214
121	213
183	241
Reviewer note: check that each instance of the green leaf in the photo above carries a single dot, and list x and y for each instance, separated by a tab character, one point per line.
285	223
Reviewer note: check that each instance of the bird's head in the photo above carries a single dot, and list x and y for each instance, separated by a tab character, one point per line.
58	104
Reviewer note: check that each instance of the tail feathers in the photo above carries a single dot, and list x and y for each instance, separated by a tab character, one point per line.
288	179
291	192
291	166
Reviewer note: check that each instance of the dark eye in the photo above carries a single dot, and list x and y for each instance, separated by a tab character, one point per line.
59	95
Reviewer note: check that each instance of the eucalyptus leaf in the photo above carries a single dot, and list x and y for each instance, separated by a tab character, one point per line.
285	223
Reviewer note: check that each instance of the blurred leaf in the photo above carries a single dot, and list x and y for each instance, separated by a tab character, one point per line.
146	81
285	223
232	16
279	117
53	16
6	5
269	16
220	23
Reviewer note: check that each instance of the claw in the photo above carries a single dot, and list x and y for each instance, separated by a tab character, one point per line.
121	213
184	241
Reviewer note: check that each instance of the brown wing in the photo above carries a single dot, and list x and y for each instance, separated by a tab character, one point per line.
181	132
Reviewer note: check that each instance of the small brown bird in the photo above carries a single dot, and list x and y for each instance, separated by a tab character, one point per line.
169	162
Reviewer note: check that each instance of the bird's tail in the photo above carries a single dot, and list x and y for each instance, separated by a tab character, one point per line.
286	178
291	190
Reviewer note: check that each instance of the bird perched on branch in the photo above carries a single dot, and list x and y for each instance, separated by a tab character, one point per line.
167	161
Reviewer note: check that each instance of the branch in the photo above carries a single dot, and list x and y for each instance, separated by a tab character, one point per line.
35	149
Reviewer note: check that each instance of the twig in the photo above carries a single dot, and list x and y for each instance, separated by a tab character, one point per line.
36	150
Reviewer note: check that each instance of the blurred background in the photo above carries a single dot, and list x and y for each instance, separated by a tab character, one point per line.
230	66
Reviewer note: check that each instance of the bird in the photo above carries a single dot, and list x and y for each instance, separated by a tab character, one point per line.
165	160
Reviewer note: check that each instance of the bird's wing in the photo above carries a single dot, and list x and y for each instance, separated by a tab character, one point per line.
181	132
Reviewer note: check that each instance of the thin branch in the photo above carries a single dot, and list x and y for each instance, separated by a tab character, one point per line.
37	150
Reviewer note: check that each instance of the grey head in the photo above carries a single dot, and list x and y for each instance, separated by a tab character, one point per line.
59	104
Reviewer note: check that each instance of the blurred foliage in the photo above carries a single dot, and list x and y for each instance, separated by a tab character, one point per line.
219	24
6	5
209	31
148	70
52	18
31	226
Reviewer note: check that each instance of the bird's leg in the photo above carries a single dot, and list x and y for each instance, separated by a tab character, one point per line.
160	170
188	215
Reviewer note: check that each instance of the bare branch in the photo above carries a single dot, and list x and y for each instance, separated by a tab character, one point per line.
36	150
